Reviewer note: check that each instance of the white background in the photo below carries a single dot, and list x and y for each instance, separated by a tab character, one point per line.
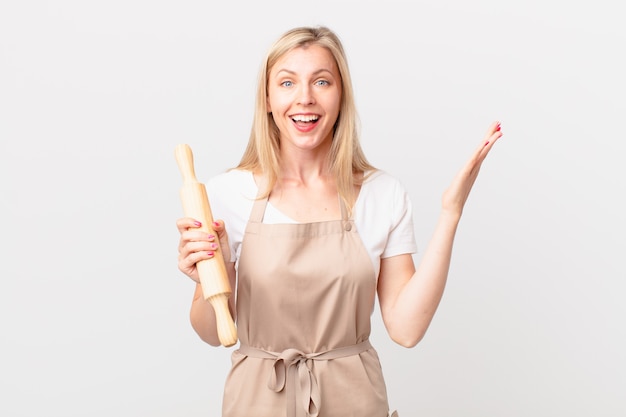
95	95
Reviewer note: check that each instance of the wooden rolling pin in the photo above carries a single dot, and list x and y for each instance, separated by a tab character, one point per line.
212	272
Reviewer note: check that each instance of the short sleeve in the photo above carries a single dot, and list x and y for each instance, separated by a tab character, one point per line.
402	233
383	215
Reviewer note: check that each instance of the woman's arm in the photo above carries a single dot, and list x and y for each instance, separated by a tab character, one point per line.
409	298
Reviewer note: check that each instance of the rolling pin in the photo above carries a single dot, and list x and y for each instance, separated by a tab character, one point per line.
212	272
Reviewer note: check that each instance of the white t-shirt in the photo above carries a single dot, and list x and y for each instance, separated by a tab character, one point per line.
382	213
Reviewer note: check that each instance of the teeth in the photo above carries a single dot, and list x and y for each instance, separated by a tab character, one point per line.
303	118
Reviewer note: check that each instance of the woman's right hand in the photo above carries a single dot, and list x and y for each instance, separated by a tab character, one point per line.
196	245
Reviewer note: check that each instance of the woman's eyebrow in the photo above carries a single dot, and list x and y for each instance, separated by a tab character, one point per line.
290	72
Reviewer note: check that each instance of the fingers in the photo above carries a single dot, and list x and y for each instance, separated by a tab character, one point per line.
493	134
187	264
198	243
195	246
456	195
219	228
187	223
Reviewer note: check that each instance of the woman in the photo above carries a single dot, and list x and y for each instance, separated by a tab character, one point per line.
314	233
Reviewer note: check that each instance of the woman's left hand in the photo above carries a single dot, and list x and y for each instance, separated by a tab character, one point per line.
456	195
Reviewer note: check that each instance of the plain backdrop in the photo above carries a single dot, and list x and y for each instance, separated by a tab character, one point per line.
95	95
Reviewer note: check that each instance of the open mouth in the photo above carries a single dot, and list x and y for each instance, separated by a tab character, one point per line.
305	119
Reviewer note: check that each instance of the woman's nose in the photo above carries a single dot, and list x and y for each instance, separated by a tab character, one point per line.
305	95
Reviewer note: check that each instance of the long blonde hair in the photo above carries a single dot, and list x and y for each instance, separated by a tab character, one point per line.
346	157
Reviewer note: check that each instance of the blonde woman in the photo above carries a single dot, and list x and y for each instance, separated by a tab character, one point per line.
311	233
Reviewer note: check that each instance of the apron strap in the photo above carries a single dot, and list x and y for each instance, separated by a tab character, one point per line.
258	210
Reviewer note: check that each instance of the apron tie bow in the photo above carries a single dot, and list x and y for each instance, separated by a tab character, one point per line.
292	372
294	365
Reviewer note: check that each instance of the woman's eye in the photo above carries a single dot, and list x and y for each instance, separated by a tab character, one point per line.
286	83
321	82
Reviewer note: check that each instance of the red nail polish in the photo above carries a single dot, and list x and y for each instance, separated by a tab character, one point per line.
210	253
486	143
216	224
498	128
197	223
211	237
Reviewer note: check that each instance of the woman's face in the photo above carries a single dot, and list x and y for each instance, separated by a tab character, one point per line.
304	96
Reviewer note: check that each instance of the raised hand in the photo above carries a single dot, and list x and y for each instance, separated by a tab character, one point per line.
456	195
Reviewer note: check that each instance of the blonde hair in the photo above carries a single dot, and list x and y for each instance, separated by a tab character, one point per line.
346	158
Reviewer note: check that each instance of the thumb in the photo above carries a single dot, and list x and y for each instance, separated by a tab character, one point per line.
219	228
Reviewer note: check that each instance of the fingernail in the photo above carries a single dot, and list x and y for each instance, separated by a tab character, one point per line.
498	128
211	237
197	223
210	253
216	224
214	246
486	143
